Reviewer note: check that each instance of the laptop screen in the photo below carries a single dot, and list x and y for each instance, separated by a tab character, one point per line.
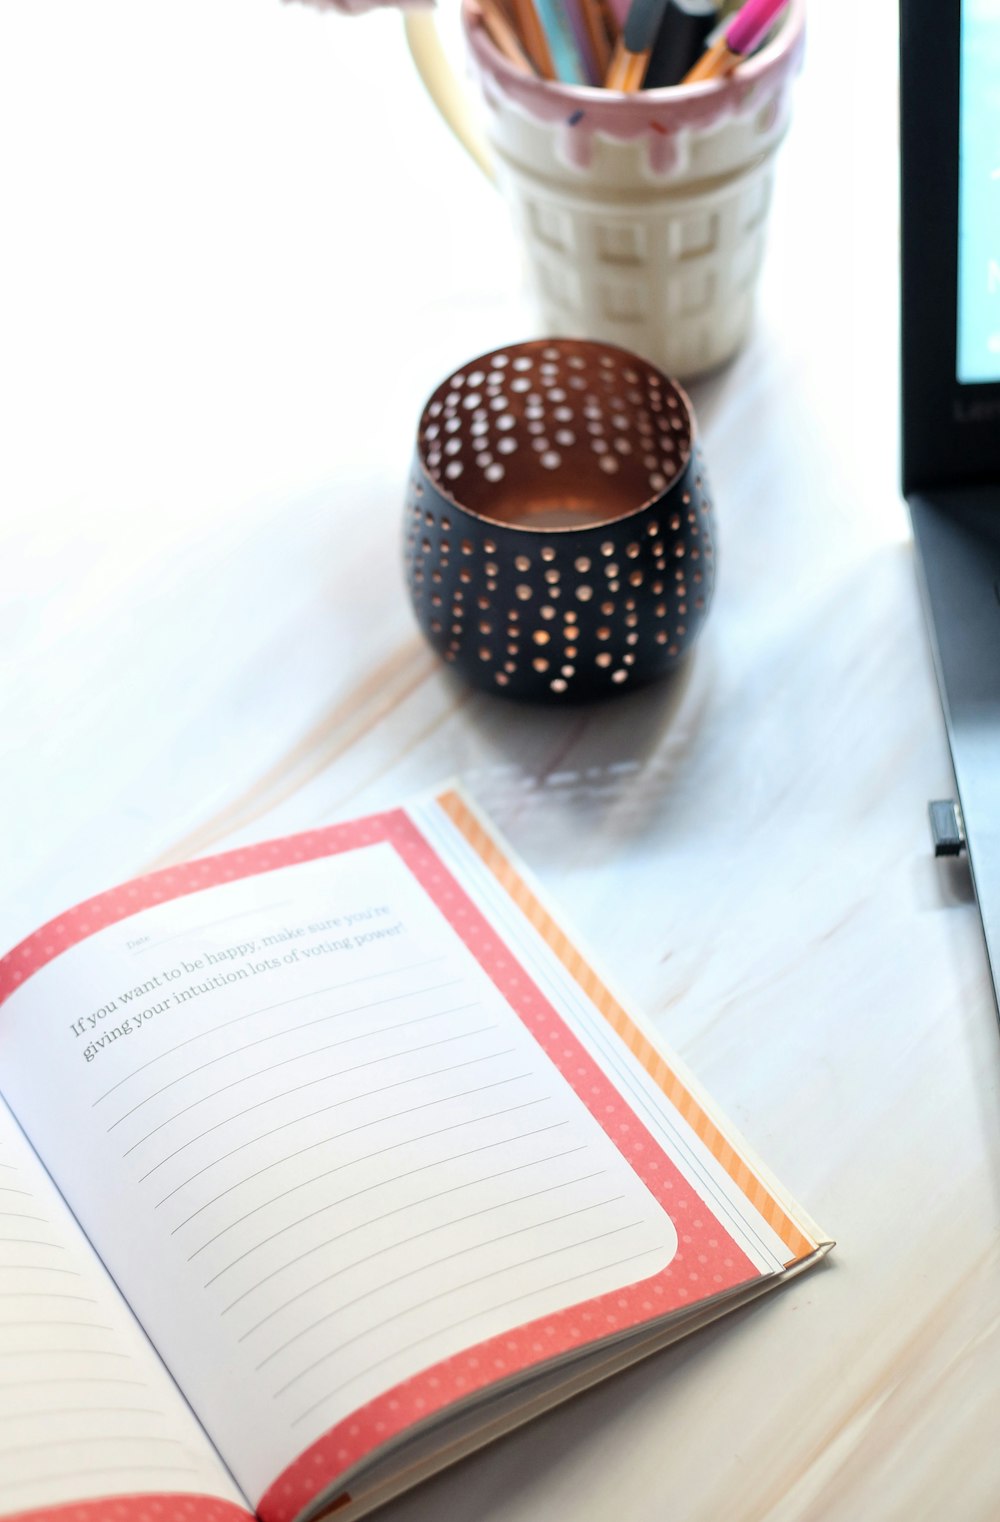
978	337
950	201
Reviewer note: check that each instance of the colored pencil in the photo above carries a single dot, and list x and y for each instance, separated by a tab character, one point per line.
503	35
569	60
630	58
532	36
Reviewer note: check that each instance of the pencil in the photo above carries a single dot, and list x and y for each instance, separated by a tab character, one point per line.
630	58
611	23
533	37
567	47
503	36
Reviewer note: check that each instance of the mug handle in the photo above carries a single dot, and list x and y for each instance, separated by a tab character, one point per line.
443	88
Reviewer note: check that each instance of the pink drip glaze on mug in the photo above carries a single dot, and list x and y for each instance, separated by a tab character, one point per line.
659	117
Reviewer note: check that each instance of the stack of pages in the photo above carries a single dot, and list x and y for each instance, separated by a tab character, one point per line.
324	1162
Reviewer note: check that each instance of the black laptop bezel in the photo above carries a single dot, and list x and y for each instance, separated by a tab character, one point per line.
950	431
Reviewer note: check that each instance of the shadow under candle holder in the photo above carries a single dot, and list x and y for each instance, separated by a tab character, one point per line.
559	533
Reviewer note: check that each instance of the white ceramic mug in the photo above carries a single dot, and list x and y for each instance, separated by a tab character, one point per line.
643	217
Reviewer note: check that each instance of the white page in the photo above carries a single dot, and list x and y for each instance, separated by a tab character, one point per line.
86	1408
314	1175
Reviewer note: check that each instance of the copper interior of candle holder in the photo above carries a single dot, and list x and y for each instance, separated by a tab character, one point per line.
558	538
552	436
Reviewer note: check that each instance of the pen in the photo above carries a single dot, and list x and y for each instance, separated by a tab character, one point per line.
684	31
743	33
631	55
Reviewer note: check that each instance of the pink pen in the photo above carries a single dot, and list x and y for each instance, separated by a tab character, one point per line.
743	33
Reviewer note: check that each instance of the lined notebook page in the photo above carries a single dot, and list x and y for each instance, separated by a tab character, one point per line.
86	1410
323	1152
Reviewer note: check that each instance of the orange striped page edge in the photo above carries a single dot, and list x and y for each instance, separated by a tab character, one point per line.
680	1096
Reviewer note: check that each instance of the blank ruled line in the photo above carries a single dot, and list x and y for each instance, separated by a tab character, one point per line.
93	1439
429	1231
290	1030
87	1326
382	1184
407	1051
408	1310
37	1268
320	1247
32	1416
314	1052
336	1136
335	1105
229	919
319	1283
19	1215
9	1189
44	1294
501	1305
421	1168
33	1242
61	1353
409	1141
74	1379
49	1475
300	1056
314	993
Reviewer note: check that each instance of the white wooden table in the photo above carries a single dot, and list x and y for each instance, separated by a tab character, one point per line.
239	252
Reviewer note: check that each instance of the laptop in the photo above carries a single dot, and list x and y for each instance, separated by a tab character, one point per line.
950	292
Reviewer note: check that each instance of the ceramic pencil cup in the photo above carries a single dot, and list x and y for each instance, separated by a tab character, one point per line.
558	526
642	217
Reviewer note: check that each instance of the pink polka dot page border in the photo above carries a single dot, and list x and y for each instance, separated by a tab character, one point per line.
138	1509
707	1261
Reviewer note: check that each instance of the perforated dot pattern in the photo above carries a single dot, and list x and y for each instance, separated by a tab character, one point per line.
559	535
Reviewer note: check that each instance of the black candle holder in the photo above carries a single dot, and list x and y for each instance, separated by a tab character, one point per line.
559	536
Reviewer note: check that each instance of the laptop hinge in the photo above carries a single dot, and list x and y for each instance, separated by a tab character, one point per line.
947	827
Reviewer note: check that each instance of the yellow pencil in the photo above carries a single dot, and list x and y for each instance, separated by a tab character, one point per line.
630	58
503	36
626	70
533	38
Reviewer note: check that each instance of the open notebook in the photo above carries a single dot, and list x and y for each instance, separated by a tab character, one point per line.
327	1160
